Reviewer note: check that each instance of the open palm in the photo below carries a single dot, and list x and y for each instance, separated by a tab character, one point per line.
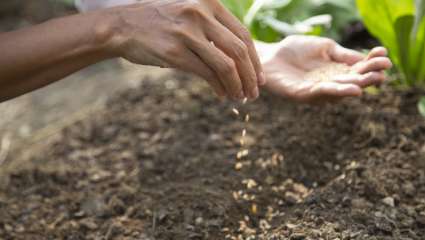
289	66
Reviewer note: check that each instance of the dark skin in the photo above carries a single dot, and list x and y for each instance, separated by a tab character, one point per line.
200	37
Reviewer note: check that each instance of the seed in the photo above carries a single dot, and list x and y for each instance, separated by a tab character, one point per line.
244	133
242	154
245	100
242	142
250	183
238	166
235	111
247	117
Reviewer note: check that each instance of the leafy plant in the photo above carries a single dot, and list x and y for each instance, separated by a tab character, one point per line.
270	20
400	26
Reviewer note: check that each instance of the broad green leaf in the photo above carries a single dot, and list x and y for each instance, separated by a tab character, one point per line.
403	27
420	14
380	17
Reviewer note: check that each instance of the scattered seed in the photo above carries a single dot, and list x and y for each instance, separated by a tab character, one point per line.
247	117
244	133
245	100
236	111
242	154
250	183
238	166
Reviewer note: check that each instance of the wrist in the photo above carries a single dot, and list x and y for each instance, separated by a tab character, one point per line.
108	31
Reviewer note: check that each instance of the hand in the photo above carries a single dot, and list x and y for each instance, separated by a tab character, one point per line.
288	66
198	36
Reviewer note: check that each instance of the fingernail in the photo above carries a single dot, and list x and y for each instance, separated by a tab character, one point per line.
262	78
241	95
255	93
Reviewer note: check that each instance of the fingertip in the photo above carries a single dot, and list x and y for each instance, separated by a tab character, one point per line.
377	52
349	90
262	79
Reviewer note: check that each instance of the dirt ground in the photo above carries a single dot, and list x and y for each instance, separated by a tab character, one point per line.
159	163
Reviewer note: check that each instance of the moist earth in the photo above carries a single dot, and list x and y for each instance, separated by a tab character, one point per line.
159	163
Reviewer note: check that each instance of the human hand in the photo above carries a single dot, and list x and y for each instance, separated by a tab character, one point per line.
293	68
198	36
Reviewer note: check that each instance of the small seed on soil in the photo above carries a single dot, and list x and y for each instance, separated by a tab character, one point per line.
250	183
236	111
245	100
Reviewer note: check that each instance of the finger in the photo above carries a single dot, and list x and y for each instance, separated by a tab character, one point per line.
345	55
223	66
377	52
233	47
373	65
192	63
363	81
333	89
234	25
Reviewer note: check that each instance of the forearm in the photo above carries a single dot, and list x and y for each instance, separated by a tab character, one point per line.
36	56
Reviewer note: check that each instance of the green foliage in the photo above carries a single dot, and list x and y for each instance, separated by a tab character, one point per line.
270	20
400	26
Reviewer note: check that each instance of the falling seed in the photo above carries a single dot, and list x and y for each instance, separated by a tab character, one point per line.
238	166
247	117
235	196
235	111
242	154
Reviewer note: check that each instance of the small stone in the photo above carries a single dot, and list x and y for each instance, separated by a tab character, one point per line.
409	189
89	224
199	221
389	201
298	236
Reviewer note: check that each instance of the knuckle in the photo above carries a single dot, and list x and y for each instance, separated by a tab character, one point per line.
183	33
245	35
227	68
192	9
172	50
240	51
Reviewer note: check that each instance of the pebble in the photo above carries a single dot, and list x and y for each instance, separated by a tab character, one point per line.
199	221
298	236
389	201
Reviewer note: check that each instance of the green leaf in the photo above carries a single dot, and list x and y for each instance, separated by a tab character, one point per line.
403	28
380	17
421	106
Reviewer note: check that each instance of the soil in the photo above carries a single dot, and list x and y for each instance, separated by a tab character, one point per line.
159	163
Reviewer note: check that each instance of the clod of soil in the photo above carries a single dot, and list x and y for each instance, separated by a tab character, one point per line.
159	163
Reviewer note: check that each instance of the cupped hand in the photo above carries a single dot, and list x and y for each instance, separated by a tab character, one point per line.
294	67
198	36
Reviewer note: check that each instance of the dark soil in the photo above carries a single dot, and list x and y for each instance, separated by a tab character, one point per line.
159	163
